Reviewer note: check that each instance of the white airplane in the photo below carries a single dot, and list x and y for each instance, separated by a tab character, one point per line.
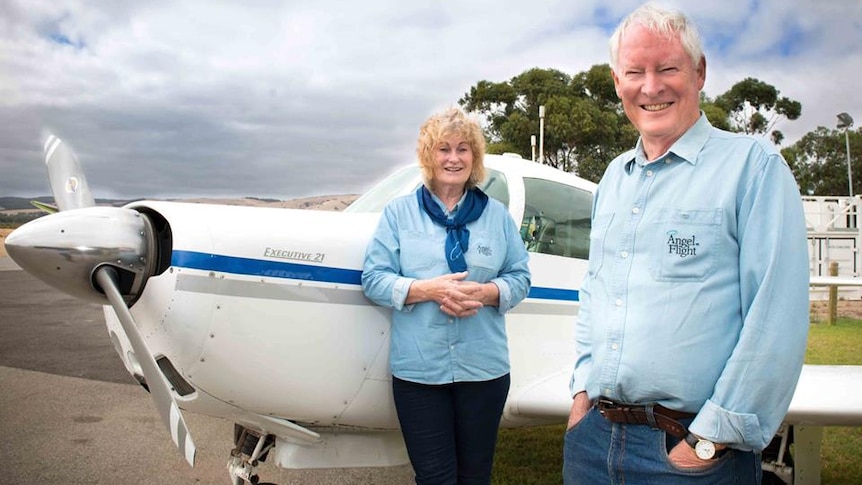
257	315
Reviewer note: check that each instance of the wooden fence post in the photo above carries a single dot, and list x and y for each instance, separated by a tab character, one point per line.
833	295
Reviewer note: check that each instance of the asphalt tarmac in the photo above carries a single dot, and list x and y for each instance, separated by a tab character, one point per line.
70	414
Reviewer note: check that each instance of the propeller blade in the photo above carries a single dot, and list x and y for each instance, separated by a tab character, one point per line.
159	388
68	183
48	208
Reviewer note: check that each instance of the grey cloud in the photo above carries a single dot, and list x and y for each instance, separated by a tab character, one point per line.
282	100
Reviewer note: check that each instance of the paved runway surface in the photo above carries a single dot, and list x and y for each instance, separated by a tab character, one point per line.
70	414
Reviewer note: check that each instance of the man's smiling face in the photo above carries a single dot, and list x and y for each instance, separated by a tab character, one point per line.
659	86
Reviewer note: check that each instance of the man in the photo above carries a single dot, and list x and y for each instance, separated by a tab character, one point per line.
694	311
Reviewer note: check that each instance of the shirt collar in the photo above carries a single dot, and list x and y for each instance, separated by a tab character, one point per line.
443	206
686	148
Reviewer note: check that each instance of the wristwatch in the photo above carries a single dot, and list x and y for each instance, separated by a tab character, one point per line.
704	449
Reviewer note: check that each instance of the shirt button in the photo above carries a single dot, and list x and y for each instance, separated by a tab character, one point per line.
607	391
619	302
624	254
667	161
635	210
614	346
649	173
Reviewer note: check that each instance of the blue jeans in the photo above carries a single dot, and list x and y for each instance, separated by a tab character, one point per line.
451	429
598	452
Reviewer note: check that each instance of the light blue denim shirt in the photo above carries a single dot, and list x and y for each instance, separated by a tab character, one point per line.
696	295
427	345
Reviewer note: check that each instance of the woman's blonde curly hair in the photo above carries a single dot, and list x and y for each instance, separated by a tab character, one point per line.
449	122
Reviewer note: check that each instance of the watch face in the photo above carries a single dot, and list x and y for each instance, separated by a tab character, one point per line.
705	449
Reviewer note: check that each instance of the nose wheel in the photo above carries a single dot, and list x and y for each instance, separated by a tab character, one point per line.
251	450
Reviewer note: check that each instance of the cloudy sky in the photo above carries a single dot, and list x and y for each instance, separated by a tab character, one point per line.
284	99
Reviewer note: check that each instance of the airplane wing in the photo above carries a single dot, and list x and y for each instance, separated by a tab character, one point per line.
826	395
546	398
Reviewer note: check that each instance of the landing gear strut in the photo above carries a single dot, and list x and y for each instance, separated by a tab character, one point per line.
251	449
777	461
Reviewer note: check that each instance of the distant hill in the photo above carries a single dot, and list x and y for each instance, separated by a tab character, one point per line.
22	203
322	202
15	211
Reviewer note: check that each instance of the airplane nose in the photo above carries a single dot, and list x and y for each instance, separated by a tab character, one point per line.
65	249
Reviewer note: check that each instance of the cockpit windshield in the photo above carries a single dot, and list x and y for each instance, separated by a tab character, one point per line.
408	179
401	182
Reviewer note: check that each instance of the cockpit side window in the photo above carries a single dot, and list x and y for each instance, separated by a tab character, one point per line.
556	219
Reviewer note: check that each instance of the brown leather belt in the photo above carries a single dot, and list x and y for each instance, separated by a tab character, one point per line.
653	415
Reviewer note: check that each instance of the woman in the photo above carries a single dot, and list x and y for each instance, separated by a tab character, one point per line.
450	262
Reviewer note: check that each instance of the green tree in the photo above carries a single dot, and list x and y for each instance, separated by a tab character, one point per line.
15	220
596	129
511	108
585	127
819	161
716	115
754	107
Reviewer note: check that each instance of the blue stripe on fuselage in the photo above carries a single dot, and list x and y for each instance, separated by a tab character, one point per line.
323	274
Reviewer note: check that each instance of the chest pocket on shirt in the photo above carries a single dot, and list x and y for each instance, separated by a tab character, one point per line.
485	256
683	244
421	254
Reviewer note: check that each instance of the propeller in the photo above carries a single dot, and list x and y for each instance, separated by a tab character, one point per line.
160	391
68	183
48	208
98	253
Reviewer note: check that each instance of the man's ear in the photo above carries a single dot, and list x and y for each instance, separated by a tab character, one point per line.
616	83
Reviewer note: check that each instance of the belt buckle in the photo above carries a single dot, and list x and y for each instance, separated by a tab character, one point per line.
604	404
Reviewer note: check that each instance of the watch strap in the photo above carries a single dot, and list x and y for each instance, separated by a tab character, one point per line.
691	440
716	451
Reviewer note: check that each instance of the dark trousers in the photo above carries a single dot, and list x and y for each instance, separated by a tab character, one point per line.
451	429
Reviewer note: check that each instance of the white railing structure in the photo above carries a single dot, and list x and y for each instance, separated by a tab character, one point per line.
834	236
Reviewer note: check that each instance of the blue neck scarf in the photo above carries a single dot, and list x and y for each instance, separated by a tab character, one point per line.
457	235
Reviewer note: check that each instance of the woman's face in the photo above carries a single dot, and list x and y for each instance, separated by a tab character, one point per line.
453	163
